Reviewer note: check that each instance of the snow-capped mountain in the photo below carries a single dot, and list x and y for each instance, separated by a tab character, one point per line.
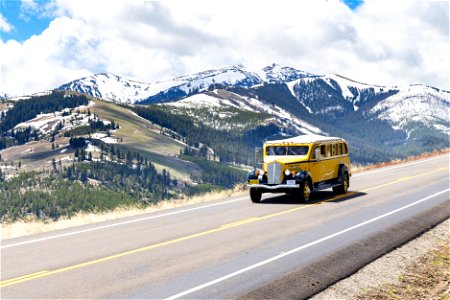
337	94
337	97
385	118
116	88
112	87
413	105
276	74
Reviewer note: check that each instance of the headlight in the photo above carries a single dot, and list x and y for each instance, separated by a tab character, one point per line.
287	172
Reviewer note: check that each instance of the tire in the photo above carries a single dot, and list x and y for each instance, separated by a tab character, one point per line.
343	188
255	195
305	191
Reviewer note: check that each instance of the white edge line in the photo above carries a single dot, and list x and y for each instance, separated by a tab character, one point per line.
120	223
207	284
387	168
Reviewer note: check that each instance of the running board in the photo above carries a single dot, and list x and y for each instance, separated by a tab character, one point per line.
325	186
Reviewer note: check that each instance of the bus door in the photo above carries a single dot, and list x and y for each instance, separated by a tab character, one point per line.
317	166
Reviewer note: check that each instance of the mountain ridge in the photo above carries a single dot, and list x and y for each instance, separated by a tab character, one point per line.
96	84
401	119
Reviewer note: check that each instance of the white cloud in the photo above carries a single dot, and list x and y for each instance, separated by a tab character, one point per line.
384	43
38	9
4	25
28	8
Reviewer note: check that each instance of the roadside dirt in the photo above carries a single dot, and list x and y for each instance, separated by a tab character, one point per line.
426	279
419	269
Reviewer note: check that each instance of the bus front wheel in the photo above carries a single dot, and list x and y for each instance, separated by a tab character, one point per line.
255	195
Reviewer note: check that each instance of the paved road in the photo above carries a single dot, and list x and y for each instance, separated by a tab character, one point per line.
227	248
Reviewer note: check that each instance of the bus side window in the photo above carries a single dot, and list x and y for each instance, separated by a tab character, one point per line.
339	149
313	153
333	150
323	151
328	150
345	149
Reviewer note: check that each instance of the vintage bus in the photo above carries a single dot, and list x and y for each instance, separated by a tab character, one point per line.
300	165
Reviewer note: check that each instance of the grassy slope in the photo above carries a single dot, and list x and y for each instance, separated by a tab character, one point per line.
139	135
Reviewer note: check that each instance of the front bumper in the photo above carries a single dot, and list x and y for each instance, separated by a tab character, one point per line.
274	187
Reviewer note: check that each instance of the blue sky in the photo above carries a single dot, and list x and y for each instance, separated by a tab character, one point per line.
25	21
353	4
378	42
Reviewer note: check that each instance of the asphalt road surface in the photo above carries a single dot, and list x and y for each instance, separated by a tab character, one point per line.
232	248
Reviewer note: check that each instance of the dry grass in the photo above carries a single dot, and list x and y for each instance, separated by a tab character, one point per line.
29	227
140	135
360	168
428	278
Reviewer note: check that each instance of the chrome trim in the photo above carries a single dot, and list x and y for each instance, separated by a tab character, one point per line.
274	172
274	187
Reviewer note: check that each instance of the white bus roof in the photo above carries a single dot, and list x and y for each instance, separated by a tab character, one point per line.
306	139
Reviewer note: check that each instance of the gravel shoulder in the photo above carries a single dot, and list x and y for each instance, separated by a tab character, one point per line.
376	280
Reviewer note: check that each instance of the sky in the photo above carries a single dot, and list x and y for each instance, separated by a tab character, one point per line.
46	43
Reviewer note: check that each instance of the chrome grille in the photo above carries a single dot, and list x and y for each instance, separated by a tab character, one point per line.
274	173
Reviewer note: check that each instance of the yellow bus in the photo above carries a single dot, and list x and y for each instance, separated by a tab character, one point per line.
300	165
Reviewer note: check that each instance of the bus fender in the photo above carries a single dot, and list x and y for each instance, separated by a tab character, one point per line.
302	176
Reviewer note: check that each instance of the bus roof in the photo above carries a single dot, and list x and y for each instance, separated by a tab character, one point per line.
306	139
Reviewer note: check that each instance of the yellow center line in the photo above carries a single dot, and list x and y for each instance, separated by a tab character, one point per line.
242	222
403	179
23	277
389	183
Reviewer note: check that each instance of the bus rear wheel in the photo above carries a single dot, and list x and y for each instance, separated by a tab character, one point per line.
343	188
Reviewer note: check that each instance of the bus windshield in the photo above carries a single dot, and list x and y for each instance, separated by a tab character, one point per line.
287	150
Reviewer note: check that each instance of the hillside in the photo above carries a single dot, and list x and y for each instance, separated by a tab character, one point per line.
78	148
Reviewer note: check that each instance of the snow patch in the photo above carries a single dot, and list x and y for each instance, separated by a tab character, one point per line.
244	103
415	104
105	138
92	148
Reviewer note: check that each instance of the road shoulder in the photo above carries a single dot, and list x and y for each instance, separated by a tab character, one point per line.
318	276
384	277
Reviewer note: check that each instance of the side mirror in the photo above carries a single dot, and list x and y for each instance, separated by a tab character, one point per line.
259	158
317	153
